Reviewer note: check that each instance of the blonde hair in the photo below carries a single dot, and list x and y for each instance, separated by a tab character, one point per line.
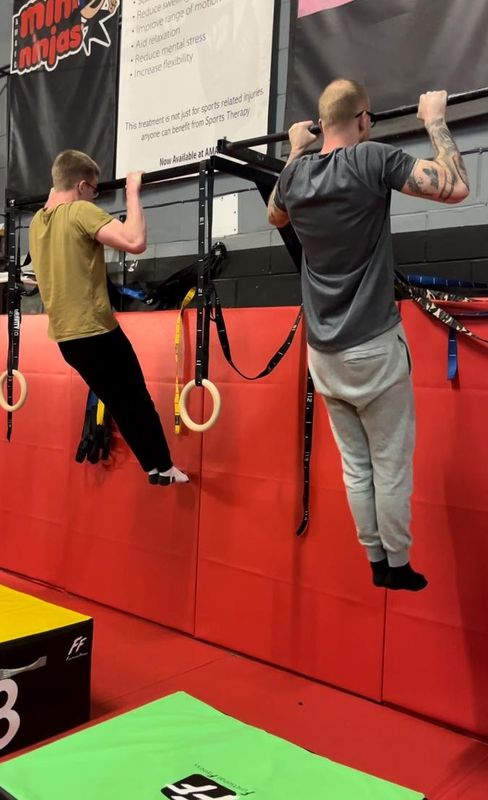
340	101
72	166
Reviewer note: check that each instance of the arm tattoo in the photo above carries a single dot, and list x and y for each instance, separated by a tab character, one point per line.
447	154
433	175
414	184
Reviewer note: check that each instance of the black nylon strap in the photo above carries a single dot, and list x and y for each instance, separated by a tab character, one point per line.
218	318
307	453
13	309
426	300
206	293
209	195
122	266
205	201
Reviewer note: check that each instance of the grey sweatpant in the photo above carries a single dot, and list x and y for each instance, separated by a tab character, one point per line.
369	397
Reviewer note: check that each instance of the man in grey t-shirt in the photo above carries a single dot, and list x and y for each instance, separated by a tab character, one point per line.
338	202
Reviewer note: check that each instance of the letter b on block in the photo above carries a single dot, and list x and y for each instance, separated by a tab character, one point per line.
7	712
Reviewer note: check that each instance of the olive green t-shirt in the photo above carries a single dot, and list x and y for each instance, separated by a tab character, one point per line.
70	269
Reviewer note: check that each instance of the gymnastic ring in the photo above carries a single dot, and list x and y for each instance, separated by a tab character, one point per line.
23	391
186	419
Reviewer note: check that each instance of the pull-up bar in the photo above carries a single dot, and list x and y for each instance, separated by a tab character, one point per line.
380	116
249	171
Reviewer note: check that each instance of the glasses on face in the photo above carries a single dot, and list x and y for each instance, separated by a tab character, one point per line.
93	188
372	118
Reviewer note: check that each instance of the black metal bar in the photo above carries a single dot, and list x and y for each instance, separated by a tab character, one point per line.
265	182
248	173
123	266
257	140
219	163
452	100
391	113
473	150
250	156
181	171
273	78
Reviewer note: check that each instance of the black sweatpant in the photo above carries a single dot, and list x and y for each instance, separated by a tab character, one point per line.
108	364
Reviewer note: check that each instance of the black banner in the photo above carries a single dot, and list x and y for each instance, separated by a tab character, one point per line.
396	48
62	89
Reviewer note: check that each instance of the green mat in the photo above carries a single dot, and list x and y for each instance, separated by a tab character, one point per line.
178	747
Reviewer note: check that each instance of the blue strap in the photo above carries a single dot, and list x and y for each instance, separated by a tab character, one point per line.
136	294
430	280
92	400
472	314
452	355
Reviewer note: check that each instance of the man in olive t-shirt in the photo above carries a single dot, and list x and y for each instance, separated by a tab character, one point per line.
338	201
66	240
74	287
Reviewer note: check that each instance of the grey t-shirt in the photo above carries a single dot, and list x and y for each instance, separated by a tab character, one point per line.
339	205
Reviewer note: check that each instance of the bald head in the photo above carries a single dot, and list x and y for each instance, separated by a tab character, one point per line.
340	101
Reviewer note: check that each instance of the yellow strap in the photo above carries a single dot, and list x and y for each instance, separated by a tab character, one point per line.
100	412
179	343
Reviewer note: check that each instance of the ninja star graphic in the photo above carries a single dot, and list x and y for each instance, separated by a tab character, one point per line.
93	20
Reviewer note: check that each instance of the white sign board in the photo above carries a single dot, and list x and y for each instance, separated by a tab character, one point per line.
191	72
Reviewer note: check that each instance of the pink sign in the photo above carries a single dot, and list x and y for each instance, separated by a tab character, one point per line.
312	6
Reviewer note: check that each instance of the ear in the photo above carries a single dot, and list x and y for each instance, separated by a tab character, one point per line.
321	126
362	122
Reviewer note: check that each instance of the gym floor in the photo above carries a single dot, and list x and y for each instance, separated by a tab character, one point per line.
136	661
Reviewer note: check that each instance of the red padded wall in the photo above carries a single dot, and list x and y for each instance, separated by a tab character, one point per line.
225	545
102	533
436	654
34	467
304	604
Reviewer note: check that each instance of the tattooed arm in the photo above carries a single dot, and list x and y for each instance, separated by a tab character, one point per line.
445	178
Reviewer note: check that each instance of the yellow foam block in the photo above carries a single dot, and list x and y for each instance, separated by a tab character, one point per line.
22	615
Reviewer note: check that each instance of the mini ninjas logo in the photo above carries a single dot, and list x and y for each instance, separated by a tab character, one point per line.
198	787
46	31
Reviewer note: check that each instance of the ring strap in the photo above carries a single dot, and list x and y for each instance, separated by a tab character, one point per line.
179	354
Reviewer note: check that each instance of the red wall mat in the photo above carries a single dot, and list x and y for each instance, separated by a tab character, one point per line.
102	533
33	467
436	654
308	604
304	604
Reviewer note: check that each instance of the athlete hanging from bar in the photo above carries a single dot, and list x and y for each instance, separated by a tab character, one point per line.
66	240
339	204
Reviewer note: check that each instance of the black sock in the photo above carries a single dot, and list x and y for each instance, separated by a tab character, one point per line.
380	570
405	578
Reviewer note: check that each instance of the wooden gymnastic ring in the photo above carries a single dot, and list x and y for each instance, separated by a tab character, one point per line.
186	419
23	391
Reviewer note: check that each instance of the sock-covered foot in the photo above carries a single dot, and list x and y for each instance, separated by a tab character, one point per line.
405	578
172	475
153	476
380	571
